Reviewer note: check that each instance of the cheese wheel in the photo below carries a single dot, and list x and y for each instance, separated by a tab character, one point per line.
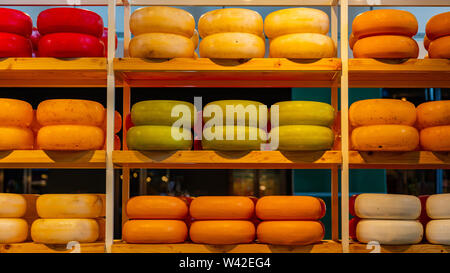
70	138
382	111
155	137
302	46
438	26
438	232
70	45
352	224
433	113
13	45
385	138
290	208
352	40
222	208
239	138
435	138
386	47
426	42
159	112
104	39
239	111
301	138
440	48
389	232
117	122
162	20
222	232
232	45
15	113
156	207
12	205
154	231
16	138
304	113
438	206
290	232
161	46
16	22
384	22
13	230
230	20
62	231
387	206
195	38
69	111
69	206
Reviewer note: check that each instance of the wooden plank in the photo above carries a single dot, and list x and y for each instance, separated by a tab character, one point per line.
419	248
400	3
221	3
399	160
30	247
55	3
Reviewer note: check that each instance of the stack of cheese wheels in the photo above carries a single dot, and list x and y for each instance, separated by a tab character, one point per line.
231	33
155	220
161	125
70	125
433	120
70	33
383	125
117	128
438	36
67	217
303	126
438	210
385	34
389	219
222	220
162	33
15	30
13	228
299	33
16	117
290	220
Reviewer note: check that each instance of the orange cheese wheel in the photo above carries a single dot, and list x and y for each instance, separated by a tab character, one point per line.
222	232
385	138
70	138
69	206
386	47
302	46
433	113
290	232
156	207
16	138
232	45
290	208
62	231
13	230
440	48
382	111
438	26
154	231
15	113
426	42
435	138
384	22
12	205
117	122
222	208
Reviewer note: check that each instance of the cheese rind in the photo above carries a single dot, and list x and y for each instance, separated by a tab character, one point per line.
438	206
438	26
62	231
155	137
302	46
251	138
222	232
16	138
435	138
433	113
15	113
222	208
156	207
159	112
389	232
387	206
13	230
302	138
438	232
440	48
386	47
290	208
290	232
161	46
70	138
154	231
305	113
385	138
12	205
69	206
232	45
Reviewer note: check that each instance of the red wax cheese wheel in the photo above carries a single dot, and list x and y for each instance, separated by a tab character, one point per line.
16	138
16	22
69	206
35	37
104	39
117	122
435	138
222	208
386	47
222	232
156	207
154	231
438	206
75	20
385	138
352	227
290	232
433	113
12	205
70	138
440	48
15	113
70	45
62	231
389	232
13	230
352	204
387	206
290	208
438	26
13	45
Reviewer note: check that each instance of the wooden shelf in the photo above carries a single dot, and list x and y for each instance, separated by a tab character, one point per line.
399	160
31	247
400	3
56	3
419	248
221	3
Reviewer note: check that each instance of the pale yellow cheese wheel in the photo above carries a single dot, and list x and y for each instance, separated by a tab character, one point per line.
161	46
62	231
12	205
69	206
13	230
389	232
387	206
302	46
232	45
438	232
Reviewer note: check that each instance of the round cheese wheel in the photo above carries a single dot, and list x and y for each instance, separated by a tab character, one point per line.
433	113
70	45
12	205
426	42
69	111
154	231
70	138
438	206
386	47
155	137
104	39
290	208
161	46
382	111
353	223
62	231
117	122
16	138
162	20
195	38
385	138
16	22
13	45
222	232
387	206
302	46
296	20
15	113
75	20
389	232
239	111
232	45
302	138
384	22
435	138
438	26
222	208
13	230
438	232
159	112
352	40
290	232
440	48
69	206
240	138
304	113
156	207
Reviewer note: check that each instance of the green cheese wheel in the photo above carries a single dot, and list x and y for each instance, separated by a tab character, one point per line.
303	137
239	114
155	137
305	113
159	112
210	143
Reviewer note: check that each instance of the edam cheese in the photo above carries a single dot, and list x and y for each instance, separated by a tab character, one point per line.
222	208
222	232
290	232
156	207
385	138
290	208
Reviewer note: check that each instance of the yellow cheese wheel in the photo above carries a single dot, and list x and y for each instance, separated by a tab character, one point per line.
290	208
385	138
438	26
232	45
435	138
13	230
440	48
16	138
222	232
302	138
162	20
195	38
426	42
161	46
438	232
290	232
12	205
70	138
15	113
156	207
389	232
382	111
238	111
159	112
302	46
230	20
387	206
304	113
386	47
438	206
155	137
62	231
222	208
241	138
69	206
433	113
154	231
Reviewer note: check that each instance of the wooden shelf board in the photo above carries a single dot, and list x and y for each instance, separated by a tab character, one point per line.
56	3
400	3
230	2
419	248
31	247
399	160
